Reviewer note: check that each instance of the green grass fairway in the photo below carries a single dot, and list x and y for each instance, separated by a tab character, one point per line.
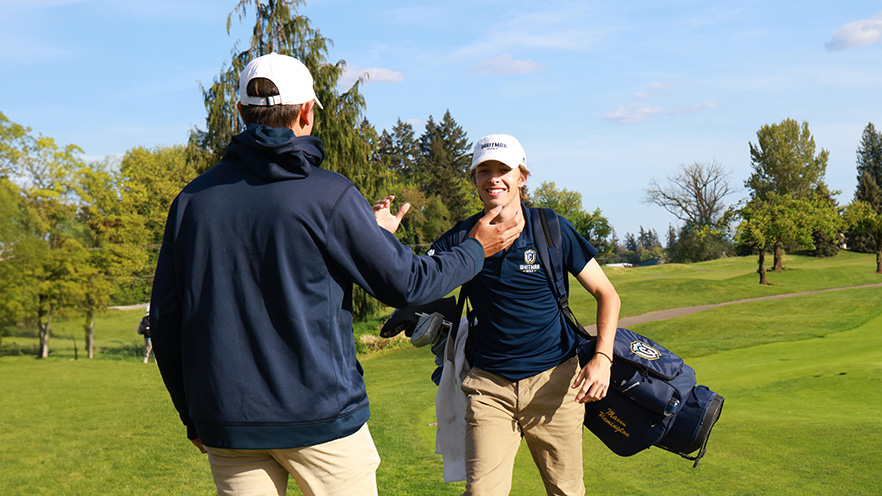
800	418
802	413
661	287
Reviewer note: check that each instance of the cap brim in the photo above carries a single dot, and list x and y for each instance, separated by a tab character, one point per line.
491	159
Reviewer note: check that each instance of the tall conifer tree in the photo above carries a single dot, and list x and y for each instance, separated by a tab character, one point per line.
279	27
869	155
445	159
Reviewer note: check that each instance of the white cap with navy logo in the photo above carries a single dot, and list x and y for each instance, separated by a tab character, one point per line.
501	148
290	76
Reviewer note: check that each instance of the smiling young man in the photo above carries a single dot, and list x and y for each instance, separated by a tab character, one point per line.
525	379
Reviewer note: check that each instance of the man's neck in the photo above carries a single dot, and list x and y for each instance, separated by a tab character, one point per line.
508	212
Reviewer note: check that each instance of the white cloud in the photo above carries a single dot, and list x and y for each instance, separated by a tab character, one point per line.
505	65
636	113
632	113
658	85
857	34
375	75
382	75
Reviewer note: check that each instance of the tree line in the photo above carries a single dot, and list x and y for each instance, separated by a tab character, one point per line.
78	236
789	206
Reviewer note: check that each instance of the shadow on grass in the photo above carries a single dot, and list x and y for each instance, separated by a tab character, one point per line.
116	350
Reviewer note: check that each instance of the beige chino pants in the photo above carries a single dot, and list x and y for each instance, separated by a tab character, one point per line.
345	466
541	409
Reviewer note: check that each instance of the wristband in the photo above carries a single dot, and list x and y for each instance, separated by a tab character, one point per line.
604	354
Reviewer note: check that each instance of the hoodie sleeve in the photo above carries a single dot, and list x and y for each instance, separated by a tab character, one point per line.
388	270
165	318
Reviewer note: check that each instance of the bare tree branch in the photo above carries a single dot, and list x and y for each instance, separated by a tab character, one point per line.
694	194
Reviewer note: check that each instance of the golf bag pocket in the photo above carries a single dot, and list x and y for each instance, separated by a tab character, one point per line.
693	424
656	395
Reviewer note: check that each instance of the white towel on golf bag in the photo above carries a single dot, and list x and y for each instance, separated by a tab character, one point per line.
450	408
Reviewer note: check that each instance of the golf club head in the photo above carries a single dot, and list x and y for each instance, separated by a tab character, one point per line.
405	319
428	329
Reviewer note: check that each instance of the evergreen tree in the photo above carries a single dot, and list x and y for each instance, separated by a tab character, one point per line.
443	166
400	149
278	27
869	191
630	242
869	169
671	237
869	155
864	217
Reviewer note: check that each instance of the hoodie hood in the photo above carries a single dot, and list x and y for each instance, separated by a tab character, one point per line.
275	153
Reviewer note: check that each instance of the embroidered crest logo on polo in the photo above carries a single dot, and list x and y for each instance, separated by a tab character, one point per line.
530	265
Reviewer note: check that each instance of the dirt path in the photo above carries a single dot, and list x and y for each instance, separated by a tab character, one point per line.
129	307
679	312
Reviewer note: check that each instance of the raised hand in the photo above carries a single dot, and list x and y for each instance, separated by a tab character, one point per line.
383	213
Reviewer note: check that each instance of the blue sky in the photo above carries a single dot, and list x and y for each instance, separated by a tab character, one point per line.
604	96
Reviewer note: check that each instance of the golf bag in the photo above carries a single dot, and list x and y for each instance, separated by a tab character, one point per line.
653	399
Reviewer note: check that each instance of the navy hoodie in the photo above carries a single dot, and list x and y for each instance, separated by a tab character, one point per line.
252	301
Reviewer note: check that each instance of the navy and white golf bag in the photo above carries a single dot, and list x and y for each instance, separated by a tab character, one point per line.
653	400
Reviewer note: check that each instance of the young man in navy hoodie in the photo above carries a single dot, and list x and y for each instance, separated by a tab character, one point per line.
251	308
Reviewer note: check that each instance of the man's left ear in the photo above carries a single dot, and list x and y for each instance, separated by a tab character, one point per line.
306	115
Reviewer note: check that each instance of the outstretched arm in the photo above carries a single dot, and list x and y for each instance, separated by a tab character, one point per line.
593	380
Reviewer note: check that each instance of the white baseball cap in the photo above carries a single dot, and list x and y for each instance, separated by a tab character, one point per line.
500	147
290	76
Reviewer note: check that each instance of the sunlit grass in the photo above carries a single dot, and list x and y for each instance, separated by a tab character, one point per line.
801	413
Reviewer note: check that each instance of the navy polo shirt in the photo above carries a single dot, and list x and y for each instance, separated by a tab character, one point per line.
520	329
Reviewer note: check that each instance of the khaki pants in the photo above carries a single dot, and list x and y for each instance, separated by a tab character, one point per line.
543	410
345	466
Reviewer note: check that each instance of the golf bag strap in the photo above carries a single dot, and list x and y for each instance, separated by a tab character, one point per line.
551	256
462	233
